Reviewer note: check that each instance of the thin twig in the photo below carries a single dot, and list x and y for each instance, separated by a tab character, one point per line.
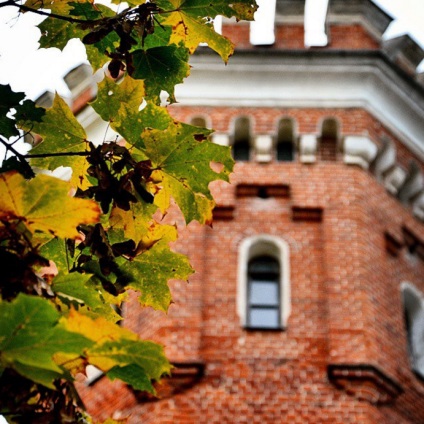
52	155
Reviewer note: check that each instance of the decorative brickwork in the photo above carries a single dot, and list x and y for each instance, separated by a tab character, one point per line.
352	220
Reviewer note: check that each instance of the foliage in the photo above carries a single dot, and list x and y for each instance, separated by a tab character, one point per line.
70	251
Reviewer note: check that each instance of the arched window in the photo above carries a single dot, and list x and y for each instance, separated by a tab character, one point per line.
198	121
413	304
241	141
329	140
263	300
285	140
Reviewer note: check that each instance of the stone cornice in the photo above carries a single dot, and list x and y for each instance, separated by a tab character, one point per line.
314	78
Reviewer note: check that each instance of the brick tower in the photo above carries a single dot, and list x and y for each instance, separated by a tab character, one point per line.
307	305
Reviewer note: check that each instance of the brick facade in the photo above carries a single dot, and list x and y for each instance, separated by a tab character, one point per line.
343	356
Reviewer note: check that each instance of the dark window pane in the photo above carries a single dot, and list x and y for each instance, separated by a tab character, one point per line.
285	151
241	151
263	293
264	265
264	318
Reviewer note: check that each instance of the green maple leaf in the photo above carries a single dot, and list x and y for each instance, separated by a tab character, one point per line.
240	9
115	346
83	290
61	7
161	68
9	100
132	224
189	22
57	33
146	359
55	250
61	133
31	334
134	375
115	100
181	160
119	104
160	37
43	204
152	269
89	10
23	111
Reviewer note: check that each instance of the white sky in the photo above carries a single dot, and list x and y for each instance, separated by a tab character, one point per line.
35	71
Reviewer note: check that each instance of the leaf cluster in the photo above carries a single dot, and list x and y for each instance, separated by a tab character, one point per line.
73	249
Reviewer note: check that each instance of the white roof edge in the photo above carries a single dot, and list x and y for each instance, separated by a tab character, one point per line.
278	83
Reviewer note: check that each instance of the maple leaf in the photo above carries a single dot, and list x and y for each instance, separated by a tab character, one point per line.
191	22
10	100
23	111
181	162
120	103
61	133
132	224
43	204
115	346
31	334
161	68
115	100
57	33
83	290
152	269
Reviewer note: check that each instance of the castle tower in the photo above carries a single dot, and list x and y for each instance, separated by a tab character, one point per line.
307	305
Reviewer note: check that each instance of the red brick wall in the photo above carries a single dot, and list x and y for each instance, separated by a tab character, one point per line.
341	36
345	287
346	307
264	120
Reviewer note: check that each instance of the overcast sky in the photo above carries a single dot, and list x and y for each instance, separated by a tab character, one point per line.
34	71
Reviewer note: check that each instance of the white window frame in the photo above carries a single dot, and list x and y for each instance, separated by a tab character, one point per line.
413	305
263	245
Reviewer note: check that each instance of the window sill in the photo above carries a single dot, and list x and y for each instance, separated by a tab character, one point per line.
262	329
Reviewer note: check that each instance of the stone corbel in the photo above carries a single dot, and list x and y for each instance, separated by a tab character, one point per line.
394	179
221	139
364	382
263	148
308	148
359	150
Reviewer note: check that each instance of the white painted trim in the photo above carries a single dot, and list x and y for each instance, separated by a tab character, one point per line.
315	17
262	31
263	244
367	82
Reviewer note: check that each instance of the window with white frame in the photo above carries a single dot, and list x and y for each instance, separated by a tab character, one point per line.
413	304
263	300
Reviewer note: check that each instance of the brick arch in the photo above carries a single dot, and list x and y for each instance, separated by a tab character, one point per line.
285	139
242	137
329	139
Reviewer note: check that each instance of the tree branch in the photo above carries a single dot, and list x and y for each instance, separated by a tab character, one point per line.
24	8
52	155
20	156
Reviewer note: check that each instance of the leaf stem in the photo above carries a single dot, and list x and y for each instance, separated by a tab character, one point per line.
20	156
51	155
